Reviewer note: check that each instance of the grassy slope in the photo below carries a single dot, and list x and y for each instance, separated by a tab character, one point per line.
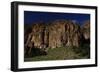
63	53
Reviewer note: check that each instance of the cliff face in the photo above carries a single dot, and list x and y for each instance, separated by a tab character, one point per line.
63	33
86	30
56	34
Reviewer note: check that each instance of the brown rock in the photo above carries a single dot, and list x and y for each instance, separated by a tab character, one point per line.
86	29
55	34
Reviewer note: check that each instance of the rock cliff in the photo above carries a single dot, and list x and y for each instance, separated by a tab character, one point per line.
55	34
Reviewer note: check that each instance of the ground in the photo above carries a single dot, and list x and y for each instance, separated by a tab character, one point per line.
63	53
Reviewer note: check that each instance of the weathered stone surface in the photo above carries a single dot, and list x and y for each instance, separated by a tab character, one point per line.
86	29
55	34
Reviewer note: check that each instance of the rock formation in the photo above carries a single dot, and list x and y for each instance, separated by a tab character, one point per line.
55	34
86	29
86	32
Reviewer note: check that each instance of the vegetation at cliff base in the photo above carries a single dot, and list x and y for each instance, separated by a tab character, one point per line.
63	53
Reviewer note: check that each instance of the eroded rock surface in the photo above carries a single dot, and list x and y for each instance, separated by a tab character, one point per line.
55	34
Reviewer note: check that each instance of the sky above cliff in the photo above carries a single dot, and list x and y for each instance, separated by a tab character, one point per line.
34	17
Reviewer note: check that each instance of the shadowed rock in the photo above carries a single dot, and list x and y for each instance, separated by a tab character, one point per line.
86	30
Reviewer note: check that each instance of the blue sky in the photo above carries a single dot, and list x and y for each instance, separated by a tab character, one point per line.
33	17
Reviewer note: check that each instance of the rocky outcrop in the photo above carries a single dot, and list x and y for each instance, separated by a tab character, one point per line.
63	33
86	29
55	34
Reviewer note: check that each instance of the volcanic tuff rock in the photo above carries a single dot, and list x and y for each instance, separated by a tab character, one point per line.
55	34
